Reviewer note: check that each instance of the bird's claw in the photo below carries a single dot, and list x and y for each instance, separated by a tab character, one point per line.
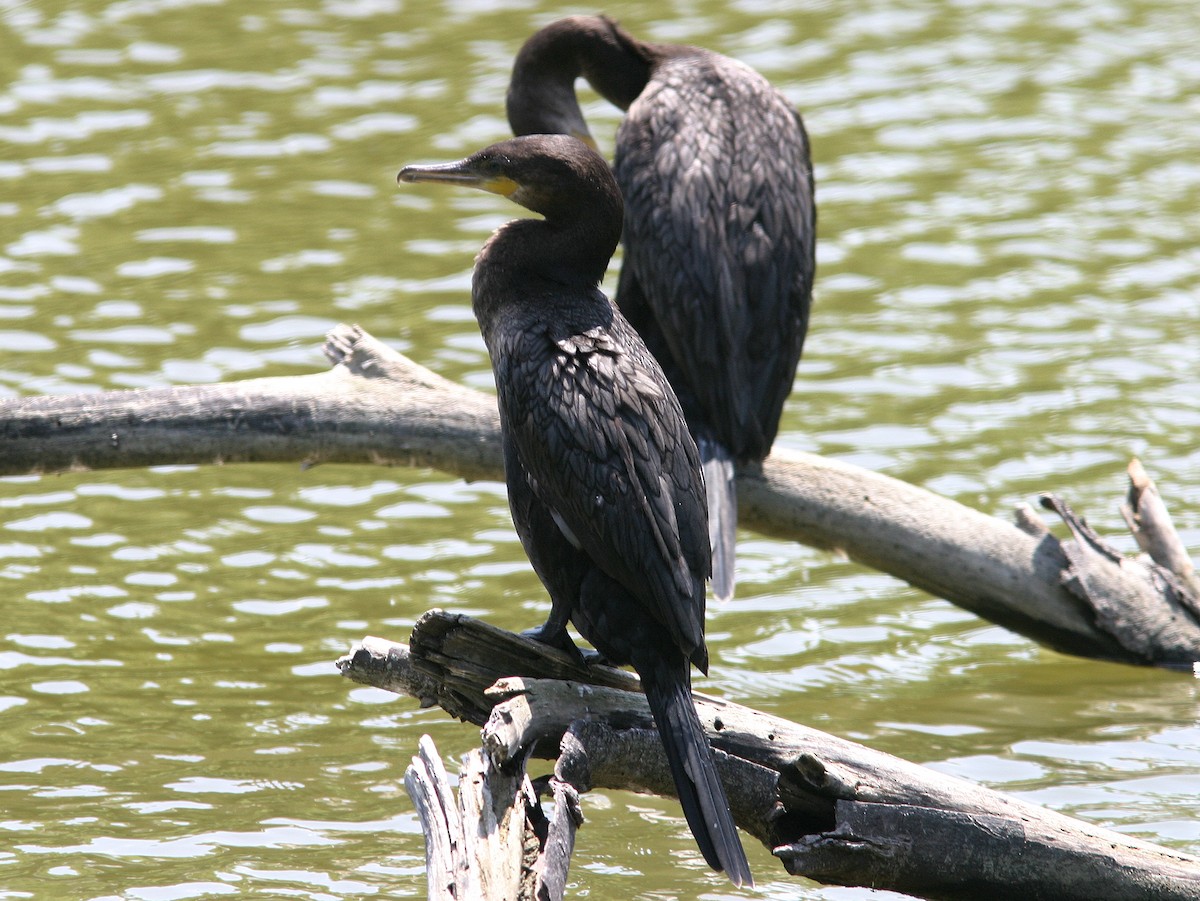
557	638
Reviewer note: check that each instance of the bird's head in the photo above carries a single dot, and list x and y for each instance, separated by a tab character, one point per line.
555	175
541	95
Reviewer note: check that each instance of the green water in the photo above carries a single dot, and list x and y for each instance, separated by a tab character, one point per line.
196	191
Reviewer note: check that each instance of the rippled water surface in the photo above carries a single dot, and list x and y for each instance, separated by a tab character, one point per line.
1007	303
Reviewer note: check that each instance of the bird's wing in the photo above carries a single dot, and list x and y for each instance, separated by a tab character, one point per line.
719	230
603	440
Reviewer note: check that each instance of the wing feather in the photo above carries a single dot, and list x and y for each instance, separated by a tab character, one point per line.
601	434
719	233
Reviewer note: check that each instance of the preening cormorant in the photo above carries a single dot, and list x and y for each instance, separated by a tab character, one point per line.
604	480
720	228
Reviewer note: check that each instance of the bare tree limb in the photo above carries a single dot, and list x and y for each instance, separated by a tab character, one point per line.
377	406
830	809
554	860
1113	585
374	406
1150	523
429	787
483	847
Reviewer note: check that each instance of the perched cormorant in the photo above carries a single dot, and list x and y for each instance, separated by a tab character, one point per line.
720	226
604	480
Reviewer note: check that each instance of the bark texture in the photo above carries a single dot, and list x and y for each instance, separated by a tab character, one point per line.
830	809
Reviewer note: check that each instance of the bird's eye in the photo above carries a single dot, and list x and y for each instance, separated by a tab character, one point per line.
489	165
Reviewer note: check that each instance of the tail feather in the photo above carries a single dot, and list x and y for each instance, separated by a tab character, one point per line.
721	489
697	782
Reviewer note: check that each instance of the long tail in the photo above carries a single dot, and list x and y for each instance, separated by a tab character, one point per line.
721	489
696	780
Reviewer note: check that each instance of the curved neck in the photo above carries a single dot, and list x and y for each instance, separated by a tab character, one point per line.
541	93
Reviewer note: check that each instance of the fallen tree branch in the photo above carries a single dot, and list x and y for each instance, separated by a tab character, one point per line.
377	406
830	809
374	406
480	848
1150	523
1112	586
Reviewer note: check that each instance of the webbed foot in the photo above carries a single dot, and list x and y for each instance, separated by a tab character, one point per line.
594	658
556	637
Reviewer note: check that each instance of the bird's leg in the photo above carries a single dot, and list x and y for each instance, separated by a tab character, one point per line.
595	658
553	632
555	637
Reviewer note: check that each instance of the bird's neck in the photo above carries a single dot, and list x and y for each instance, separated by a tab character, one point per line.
541	95
533	257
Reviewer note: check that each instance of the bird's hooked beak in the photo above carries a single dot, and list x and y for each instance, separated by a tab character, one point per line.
460	173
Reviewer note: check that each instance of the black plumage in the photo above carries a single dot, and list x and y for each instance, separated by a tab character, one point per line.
720	228
604	479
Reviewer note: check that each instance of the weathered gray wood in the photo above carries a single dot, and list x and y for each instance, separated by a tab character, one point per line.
915	849
988	566
377	406
1148	520
615	745
493	812
1111	586
374	406
446	867
385	664
555	859
830	809
487	784
480	847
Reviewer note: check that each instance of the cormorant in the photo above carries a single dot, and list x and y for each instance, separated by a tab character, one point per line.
720	227
604	480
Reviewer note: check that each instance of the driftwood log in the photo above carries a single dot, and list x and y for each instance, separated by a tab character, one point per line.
377	406
475	848
828	809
